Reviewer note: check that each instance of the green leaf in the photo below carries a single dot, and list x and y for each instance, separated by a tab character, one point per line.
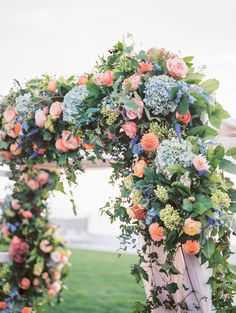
173	93
149	174
210	85
129	105
231	152
197	131
202	204
172	287
227	166
178	168
209	248
183	106
93	89
47	136
219	152
210	132
60	187
3	145
187	205
216	114
194	78
182	189
200	208
188	59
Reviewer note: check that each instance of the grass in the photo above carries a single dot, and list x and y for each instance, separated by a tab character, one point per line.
100	282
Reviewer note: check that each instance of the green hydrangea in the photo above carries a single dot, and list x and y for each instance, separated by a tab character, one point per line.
110	115
128	182
170	217
162	194
162	131
219	198
137	197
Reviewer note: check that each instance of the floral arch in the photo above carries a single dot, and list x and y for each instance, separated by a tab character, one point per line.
147	111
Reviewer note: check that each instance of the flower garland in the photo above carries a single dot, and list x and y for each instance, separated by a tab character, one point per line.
144	110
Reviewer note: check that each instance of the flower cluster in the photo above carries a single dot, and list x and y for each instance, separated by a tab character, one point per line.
170	217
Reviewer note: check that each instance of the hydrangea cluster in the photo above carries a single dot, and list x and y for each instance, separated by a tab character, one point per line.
185	180
161	193
220	199
109	110
128	182
170	217
137	197
23	106
157	94
172	152
72	102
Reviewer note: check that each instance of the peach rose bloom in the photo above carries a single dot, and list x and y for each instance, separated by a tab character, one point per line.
130	129
82	80
55	110
132	83
26	214
107	78
14	150
132	114
177	67
46	110
57	275
60	146
52	86
191	247
25	283
15	130
145	67
98	79
139	213
42	178
45	246
139	167
40	118
156	232
10	114
70	141
15	204
26	309
131	213
192	227
33	184
44	275
3	305
36	282
5	154
150	142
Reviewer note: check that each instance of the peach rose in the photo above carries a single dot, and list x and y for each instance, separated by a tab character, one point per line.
52	86
42	178
139	213
60	146
36	282
70	141
45	275
191	247
10	114
33	184
15	204
192	227
26	309
57	275
5	154
139	167
89	146
15	150
55	110
40	118
107	78
45	246
185	119
177	67
82	80
145	67
130	129
25	283
26	214
131	213
54	289
13	130
150	142
132	83
132	114
156	232
98	79
56	256
3	305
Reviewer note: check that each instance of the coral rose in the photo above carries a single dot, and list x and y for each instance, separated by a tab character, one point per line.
36	282
15	150
139	167
89	146
45	246
132	83
42	178
26	309
82	80
191	247
70	141
5	154
156	232
60	146
145	67
139	213
33	184
26	214
185	119
40	118
130	129
14	130
25	283
192	227
15	204
10	114
107	78
18	250
177	67
150	142
132	114
52	86
3	305
55	110
131	213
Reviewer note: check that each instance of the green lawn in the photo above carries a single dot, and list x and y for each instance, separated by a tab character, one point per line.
100	282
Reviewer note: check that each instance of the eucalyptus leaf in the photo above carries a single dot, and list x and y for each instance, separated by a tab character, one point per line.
210	85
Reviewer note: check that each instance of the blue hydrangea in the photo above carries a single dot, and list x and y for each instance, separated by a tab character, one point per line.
72	101
157	94
151	214
23	106
172	152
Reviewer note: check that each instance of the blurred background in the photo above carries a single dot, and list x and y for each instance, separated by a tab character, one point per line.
61	37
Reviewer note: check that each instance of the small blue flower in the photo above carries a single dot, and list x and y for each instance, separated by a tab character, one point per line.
157	68
151	214
33	132
191	100
202	173
34	155
20	144
134	140
177	129
12	228
25	126
137	149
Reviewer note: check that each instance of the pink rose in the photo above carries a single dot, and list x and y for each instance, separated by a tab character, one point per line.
82	80
25	283
45	246
57	275
40	118
177	67
60	146
15	204
55	110
70	141
46	110
18	250
130	128
26	214
132	114
108	78
10	114
56	256
36	282
54	289
15	150
98	79
32	184
52	86
132	83
42	178
44	275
